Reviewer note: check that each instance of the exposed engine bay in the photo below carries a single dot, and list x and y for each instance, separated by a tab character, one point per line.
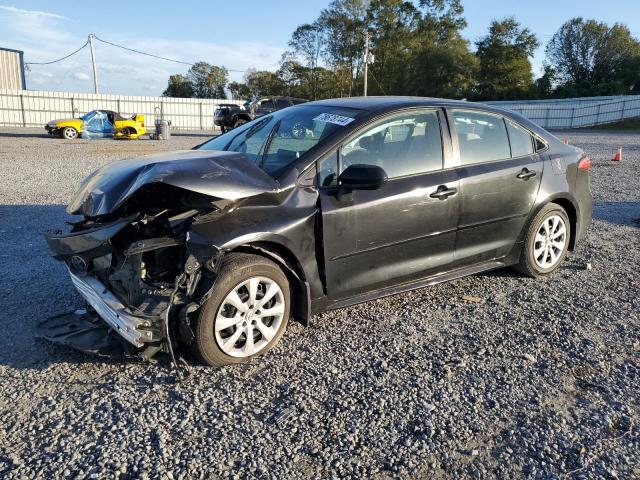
139	254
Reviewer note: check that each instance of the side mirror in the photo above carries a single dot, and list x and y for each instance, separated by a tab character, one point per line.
363	177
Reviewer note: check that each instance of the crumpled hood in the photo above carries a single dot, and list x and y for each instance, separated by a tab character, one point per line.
223	175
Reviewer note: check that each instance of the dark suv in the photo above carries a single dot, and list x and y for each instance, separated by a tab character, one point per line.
228	116
219	246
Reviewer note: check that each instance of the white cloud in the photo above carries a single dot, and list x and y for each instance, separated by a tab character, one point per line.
44	37
20	11
81	76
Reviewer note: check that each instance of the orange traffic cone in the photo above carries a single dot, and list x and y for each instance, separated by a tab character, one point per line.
618	156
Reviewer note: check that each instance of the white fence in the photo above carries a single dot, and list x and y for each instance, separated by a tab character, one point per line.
26	108
575	112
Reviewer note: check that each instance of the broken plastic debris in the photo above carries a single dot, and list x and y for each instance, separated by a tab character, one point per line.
283	415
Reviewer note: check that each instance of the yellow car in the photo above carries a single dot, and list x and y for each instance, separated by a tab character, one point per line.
98	124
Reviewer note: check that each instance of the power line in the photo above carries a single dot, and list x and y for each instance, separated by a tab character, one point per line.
155	56
379	86
60	59
142	53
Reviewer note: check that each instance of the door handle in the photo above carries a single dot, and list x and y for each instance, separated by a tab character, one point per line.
526	174
443	192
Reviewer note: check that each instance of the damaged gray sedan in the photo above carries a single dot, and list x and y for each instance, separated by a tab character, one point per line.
314	207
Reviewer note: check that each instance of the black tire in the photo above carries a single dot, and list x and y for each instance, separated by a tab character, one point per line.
239	122
527	263
69	133
236	268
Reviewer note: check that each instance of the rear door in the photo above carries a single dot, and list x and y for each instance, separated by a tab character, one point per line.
499	176
402	231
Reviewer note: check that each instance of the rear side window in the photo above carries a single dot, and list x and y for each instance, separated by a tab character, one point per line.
482	137
521	140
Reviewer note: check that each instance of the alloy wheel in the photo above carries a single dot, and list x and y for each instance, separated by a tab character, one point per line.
249	317
69	133
549	242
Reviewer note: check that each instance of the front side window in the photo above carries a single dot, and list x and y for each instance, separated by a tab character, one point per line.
521	140
275	141
482	137
405	144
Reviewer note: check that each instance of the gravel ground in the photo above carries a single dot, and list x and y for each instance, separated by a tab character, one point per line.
535	379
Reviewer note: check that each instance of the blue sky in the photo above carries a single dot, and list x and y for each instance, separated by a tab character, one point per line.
238	35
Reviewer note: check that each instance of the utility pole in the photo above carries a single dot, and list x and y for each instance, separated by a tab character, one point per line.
366	61
93	61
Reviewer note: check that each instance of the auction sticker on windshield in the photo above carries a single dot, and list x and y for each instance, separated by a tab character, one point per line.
335	119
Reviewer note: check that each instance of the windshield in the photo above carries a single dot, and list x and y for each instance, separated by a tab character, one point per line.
275	141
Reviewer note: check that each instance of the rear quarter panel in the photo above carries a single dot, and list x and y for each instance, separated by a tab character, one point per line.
564	183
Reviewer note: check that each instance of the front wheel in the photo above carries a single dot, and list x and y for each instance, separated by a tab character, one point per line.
69	133
247	313
546	242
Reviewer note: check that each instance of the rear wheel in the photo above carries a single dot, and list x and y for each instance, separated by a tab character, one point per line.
69	133
239	122
247	313
130	133
546	243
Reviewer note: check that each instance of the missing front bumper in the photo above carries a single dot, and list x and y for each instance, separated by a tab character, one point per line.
136	330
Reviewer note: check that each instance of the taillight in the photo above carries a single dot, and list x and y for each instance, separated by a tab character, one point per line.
585	164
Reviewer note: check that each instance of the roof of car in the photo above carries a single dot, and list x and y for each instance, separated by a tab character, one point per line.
390	103
374	103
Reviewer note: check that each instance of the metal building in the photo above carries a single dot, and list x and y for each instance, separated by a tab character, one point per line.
12	69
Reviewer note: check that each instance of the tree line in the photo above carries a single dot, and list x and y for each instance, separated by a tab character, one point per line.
418	49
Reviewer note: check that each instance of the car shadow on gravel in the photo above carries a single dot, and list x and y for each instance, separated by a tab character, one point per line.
618	213
34	287
24	135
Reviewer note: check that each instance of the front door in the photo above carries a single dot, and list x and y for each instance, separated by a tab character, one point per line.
499	179
406	229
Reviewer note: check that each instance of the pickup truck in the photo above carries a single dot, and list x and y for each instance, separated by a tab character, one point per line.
228	115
